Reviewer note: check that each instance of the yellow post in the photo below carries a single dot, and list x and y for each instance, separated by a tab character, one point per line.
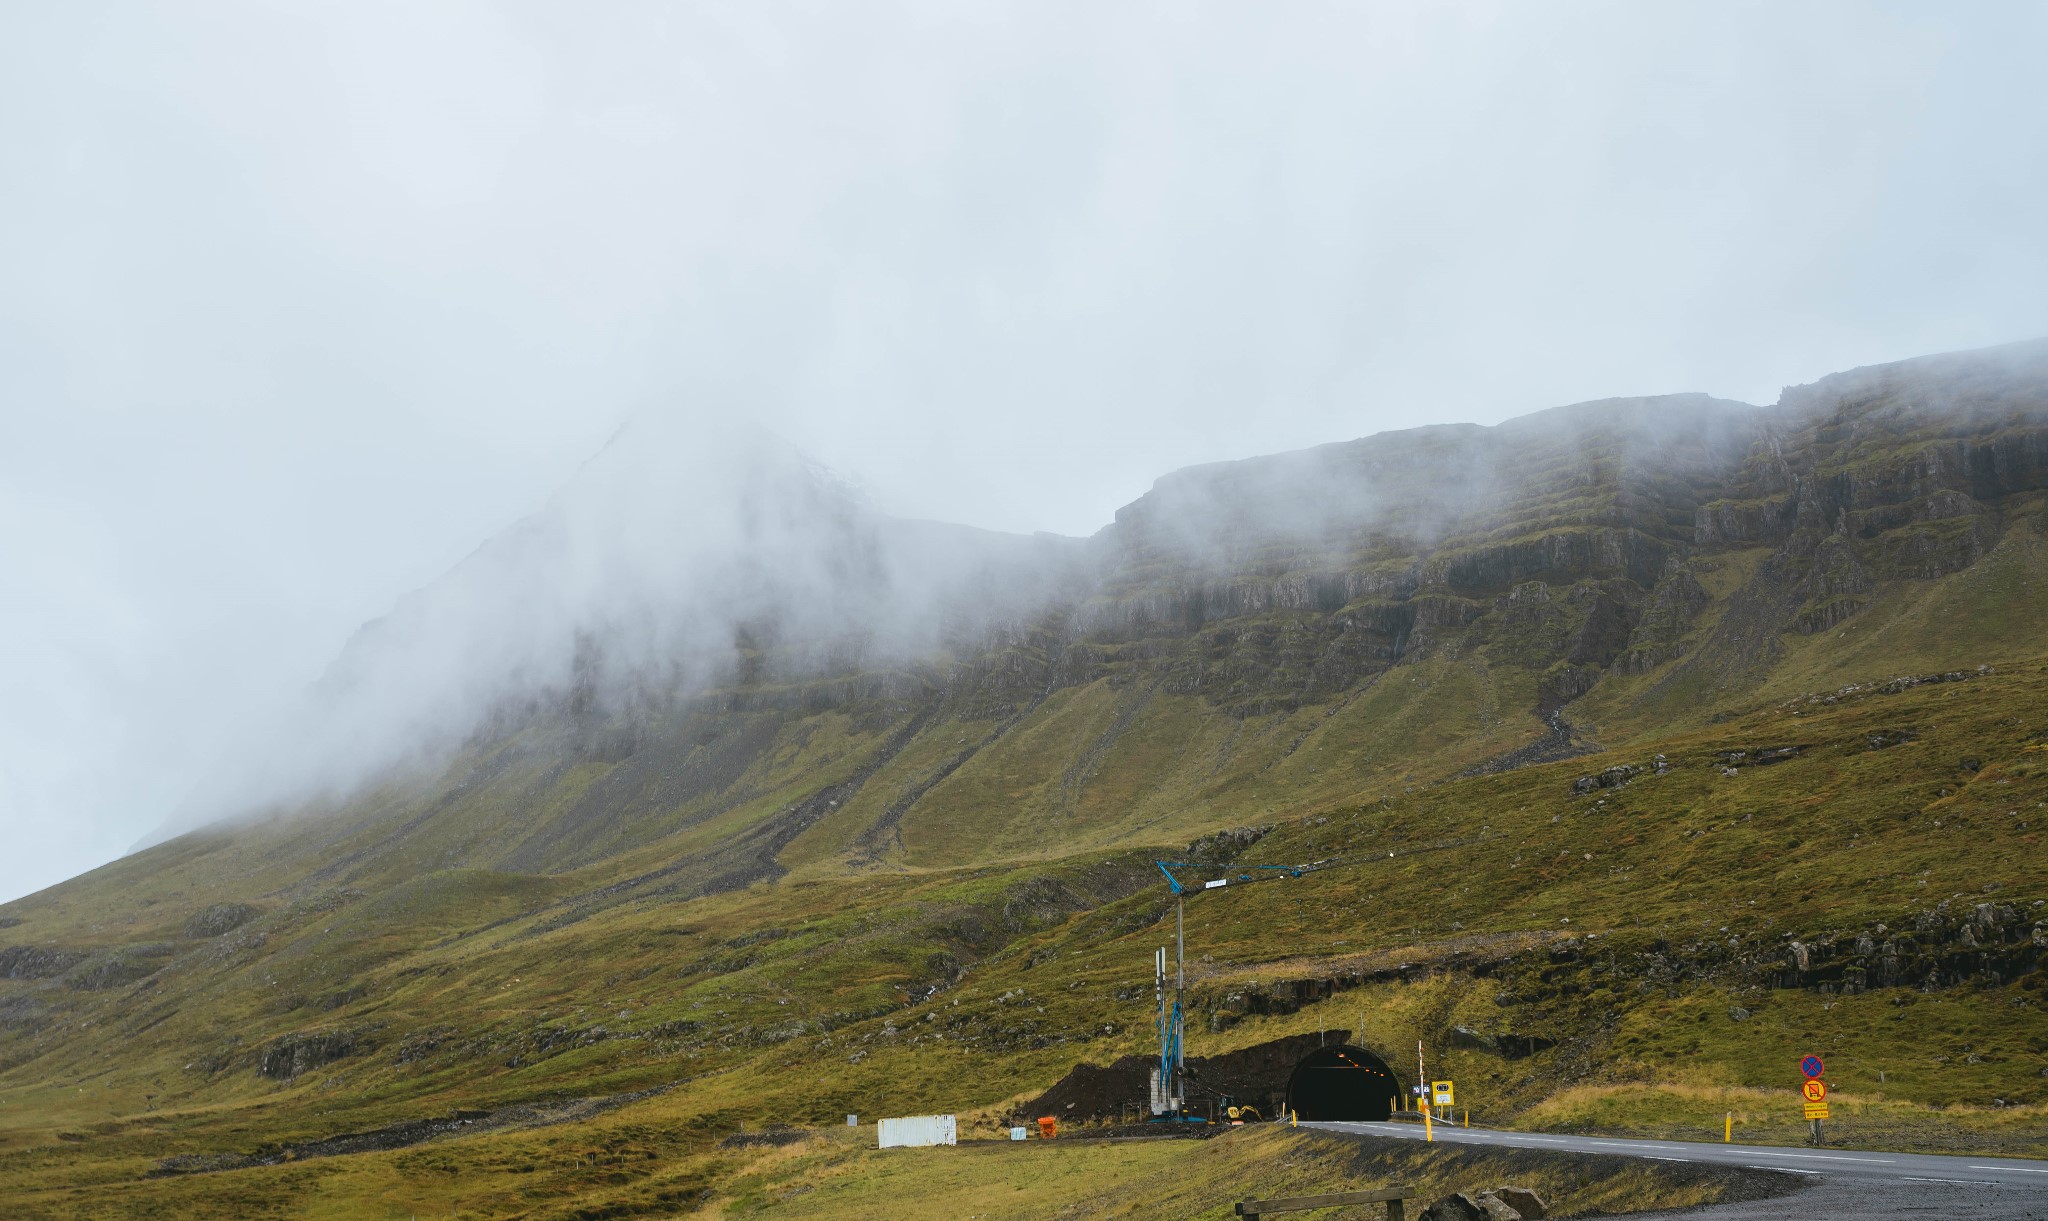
1468	1117
1428	1132
1728	1127
1293	1118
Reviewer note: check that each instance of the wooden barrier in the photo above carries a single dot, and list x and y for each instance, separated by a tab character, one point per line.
1390	1196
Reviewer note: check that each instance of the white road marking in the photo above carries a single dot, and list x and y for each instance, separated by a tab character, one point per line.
1827	1157
1636	1144
1788	1170
2019	1169
1914	1178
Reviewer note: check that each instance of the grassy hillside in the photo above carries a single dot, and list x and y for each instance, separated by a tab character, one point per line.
1688	751
799	1000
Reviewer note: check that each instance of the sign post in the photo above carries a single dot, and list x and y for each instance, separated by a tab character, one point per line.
1422	1094
1815	1092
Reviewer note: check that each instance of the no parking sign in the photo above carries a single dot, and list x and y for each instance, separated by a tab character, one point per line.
1815	1092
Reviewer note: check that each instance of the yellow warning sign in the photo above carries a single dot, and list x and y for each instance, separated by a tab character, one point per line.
1444	1095
1815	1091
1816	1110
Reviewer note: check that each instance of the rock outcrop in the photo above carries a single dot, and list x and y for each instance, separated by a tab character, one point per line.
219	919
293	1054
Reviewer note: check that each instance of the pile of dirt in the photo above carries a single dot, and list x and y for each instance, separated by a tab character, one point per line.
1255	1075
1160	1130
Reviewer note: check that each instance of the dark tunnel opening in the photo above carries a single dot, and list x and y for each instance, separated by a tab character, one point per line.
1342	1082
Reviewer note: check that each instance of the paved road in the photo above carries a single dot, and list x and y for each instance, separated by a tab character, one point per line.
1850	1182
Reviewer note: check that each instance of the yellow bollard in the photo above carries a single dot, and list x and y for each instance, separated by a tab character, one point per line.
1468	1117
1428	1132
1728	1127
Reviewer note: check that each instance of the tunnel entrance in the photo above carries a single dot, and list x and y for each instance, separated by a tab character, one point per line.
1342	1082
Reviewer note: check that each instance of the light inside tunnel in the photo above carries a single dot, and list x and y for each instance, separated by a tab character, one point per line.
1342	1083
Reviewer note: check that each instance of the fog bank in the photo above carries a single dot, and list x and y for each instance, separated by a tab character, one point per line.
298	307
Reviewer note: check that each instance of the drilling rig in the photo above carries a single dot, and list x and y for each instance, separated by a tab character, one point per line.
1169	1078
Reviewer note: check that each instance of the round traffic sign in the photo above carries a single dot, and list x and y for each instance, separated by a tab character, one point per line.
1815	1091
1812	1067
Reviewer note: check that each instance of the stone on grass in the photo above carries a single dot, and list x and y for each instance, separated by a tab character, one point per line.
1523	1200
1455	1207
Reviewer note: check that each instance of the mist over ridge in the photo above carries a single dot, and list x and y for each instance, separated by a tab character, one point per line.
588	593
690	557
298	310
709	763
689	552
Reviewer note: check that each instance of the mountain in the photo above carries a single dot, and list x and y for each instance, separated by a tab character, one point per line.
710	771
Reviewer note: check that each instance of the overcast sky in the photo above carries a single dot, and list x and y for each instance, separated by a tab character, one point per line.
298	303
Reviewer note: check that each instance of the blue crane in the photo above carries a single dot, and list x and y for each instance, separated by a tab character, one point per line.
1170	1090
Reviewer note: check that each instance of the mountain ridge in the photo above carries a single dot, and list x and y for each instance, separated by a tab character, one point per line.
1295	581
1666	693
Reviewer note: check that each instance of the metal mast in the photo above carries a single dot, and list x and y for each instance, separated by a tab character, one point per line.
1169	1080
1177	1090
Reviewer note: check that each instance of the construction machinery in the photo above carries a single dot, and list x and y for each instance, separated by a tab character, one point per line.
1169	1079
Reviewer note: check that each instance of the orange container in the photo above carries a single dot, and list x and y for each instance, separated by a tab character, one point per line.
1048	1127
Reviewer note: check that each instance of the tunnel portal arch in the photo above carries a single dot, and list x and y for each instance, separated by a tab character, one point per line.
1343	1082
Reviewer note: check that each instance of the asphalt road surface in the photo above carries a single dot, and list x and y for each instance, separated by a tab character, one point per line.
1848	1183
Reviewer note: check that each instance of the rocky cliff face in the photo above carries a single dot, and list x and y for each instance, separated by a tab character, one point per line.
1476	585
1570	542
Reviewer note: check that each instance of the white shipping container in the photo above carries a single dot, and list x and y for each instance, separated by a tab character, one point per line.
918	1130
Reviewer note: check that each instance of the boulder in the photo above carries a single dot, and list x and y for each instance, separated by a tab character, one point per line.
1466	1036
1523	1200
1456	1207
1506	1045
37	962
287	1057
1496	1209
105	972
1610	778
218	919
